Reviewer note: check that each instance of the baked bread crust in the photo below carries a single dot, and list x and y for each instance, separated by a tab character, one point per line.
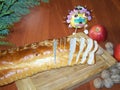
18	63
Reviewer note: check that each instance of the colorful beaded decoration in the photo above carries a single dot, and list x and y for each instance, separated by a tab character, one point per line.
78	17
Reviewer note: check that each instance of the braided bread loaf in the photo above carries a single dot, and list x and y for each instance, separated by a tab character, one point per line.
18	63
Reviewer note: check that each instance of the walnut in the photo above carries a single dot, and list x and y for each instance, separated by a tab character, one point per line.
115	78
109	48
99	51
110	51
105	74
108	45
108	82
118	65
109	76
98	83
115	71
113	67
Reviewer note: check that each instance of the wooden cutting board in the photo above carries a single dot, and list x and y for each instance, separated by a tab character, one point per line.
67	77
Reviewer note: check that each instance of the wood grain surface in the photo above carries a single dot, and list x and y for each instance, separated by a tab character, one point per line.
47	21
66	78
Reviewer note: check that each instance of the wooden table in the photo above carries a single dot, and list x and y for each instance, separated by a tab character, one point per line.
47	21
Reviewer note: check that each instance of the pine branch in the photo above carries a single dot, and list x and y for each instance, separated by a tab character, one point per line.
9	4
4	32
6	13
4	43
1	6
11	11
2	37
45	1
2	0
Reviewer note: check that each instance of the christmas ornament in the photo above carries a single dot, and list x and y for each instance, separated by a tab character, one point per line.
78	18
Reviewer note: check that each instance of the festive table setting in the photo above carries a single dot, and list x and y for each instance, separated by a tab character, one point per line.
59	45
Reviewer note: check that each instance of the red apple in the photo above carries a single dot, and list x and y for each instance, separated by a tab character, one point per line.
98	33
117	52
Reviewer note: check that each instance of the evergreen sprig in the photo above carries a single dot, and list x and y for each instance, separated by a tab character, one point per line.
11	11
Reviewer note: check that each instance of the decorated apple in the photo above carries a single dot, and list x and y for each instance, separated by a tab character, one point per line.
98	33
117	52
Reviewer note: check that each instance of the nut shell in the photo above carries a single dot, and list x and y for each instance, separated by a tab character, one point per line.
98	83
105	74
108	83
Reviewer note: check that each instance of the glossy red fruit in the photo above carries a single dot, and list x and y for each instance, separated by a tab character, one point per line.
117	52
98	33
